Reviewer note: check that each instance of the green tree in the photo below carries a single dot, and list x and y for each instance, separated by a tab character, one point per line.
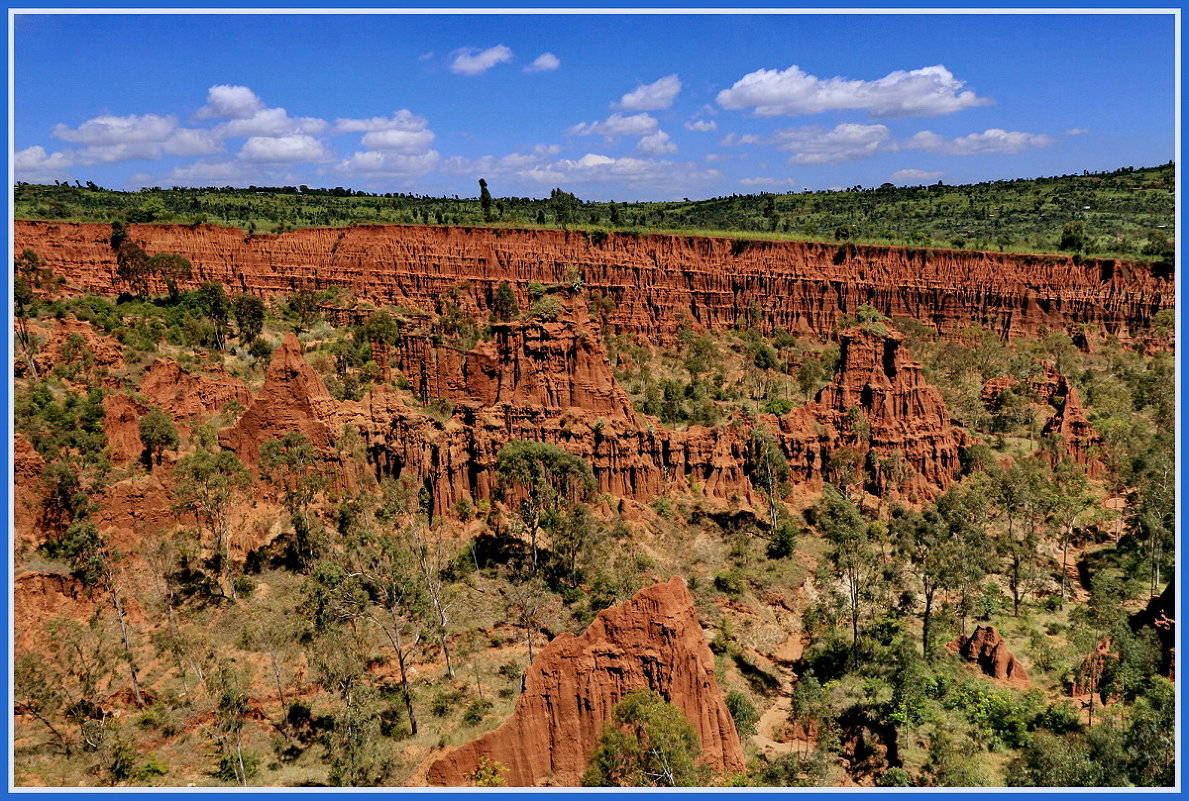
945	547
1073	236
206	484
651	744
249	316
217	307
294	466
132	267
303	305
485	200
157	433
1024	498
768	470
854	560
546	478
504	305
170	268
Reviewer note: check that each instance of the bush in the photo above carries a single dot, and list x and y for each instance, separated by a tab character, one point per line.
729	583
547	308
743	712
777	406
475	711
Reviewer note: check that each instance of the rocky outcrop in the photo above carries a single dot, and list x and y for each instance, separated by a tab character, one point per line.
986	647
121	424
293	398
1069	423
652	642
879	401
186	395
656	282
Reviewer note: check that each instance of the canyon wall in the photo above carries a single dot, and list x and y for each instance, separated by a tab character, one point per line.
657	282
653	641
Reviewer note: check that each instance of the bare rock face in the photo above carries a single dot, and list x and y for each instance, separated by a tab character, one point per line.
293	399
986	647
653	641
121	423
655	281
186	395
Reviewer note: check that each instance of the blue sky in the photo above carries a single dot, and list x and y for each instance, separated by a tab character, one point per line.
609	107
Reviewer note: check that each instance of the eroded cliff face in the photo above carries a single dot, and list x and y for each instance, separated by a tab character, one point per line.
656	281
552	382
651	642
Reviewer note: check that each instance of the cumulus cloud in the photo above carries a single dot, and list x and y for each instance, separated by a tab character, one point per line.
617	125
397	141
598	168
271	122
914	176
191	142
657	144
546	62
848	141
471	61
401	120
701	126
495	165
229	102
112	130
381	164
928	92
1077	131
651	96
992	140
35	165
205	173
296	147
782	183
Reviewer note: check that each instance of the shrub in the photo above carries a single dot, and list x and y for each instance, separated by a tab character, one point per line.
743	712
475	711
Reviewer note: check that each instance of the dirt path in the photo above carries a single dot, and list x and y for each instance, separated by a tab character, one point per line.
774	718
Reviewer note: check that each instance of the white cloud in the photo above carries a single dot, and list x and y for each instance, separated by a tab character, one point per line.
766	181
111	130
469	61
191	142
701	126
401	120
296	147
914	176
929	91
546	62
271	122
35	165
229	102
992	140
617	125
657	144
491	165
406	142
1077	131
598	168
651	96
373	163
849	141
737	139
207	173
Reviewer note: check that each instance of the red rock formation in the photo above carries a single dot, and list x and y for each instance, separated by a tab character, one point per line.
907	417
293	399
653	641
57	349
655	281
121	424
1077	438
27	465
987	648
186	395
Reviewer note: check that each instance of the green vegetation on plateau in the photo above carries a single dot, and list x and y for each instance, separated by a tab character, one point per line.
1126	213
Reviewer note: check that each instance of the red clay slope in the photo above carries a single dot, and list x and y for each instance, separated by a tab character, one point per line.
653	641
656	281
